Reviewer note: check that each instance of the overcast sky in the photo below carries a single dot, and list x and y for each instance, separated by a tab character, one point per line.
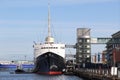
25	21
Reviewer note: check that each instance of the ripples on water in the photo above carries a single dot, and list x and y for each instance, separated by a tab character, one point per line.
7	76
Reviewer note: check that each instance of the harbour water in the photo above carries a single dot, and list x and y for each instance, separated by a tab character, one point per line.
8	76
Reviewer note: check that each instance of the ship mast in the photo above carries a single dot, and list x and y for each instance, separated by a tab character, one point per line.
49	31
49	38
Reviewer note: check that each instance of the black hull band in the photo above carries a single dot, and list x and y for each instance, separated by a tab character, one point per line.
49	62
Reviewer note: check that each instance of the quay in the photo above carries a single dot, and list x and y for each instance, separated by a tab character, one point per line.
95	74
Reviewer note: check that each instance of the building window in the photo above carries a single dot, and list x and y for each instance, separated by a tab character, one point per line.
88	46
49	47
80	56
88	56
80	60
79	50
88	51
80	46
85	46
88	40
79	40
85	51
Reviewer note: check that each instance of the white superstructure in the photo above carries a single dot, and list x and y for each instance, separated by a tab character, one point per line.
58	49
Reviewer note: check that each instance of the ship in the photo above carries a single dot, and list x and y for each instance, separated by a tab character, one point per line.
49	57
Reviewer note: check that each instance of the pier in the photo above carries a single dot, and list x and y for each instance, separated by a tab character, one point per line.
94	74
94	71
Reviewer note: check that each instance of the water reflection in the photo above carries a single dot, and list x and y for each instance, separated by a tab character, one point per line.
7	76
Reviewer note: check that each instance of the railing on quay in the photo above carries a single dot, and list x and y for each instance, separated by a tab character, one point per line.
97	74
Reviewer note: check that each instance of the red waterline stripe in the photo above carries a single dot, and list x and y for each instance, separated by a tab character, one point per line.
54	73
51	73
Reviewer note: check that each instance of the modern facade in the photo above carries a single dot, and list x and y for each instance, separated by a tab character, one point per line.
83	45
